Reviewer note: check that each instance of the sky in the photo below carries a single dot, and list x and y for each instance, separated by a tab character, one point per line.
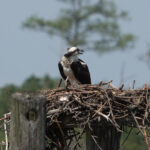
24	52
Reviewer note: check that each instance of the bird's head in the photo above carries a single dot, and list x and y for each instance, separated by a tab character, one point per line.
73	52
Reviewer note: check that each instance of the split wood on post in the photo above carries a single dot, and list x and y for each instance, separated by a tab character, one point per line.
27	130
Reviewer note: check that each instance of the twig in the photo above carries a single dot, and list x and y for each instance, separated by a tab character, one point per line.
62	133
143	122
133	84
79	137
112	115
60	83
7	116
5	130
105	83
96	142
127	137
137	123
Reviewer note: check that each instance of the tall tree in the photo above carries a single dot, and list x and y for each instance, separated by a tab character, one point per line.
88	23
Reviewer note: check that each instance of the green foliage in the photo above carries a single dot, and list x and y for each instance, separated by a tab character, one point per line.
32	83
5	96
134	141
92	24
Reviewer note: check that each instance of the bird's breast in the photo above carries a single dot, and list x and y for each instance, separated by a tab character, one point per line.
68	72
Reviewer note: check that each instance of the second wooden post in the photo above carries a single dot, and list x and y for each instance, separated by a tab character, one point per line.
27	130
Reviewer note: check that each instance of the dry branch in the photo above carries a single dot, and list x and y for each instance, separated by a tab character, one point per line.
82	107
89	104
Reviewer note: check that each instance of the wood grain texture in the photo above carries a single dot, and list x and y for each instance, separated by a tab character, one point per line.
27	131
102	138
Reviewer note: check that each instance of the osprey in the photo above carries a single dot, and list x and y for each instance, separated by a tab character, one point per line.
72	69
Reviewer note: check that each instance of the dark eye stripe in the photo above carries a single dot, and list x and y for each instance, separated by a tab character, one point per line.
69	54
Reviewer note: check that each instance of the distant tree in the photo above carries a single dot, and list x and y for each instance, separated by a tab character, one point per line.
5	96
134	141
32	83
88	23
49	83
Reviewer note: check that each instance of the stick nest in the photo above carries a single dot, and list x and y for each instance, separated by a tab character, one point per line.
92	104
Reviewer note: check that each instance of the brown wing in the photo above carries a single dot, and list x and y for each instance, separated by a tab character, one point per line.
81	71
61	71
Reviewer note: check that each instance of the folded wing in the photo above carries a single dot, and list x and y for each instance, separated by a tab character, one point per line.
81	71
61	71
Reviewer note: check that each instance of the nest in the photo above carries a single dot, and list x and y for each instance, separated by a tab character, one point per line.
82	107
73	110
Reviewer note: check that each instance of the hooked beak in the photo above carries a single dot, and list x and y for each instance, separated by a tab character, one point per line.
81	51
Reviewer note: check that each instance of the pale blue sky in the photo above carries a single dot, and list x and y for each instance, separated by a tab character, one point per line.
24	52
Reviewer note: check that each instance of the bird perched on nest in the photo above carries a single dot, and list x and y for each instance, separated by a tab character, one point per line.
72	69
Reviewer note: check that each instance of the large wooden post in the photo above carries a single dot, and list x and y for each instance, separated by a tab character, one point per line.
27	131
105	137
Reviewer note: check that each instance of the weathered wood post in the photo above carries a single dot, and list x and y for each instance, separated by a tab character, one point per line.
102	137
27	130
